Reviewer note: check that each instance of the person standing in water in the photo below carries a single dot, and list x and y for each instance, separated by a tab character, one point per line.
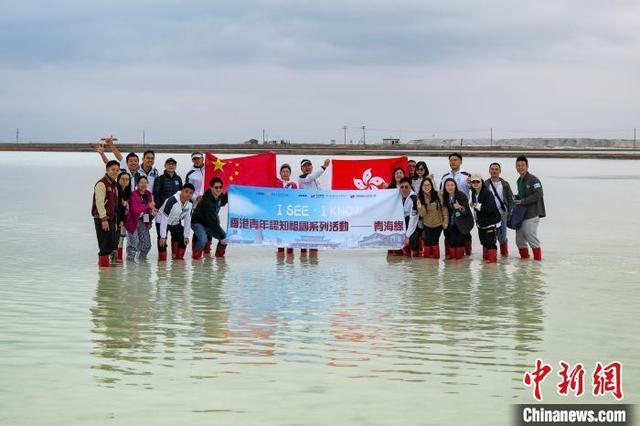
531	196
503	195
138	221
461	177
460	219
104	210
434	216
487	217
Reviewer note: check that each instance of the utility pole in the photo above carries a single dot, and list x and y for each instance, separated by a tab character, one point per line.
364	135
345	134
263	139
144	138
491	140
18	135
634	139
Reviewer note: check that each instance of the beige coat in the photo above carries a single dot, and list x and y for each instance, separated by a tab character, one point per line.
433	217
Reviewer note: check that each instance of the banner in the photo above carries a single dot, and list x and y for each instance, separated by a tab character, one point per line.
369	173
315	219
257	170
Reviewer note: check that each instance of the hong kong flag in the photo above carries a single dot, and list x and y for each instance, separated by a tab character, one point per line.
252	170
365	174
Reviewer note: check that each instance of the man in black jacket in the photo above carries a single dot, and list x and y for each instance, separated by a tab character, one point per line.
164	187
206	220
503	195
531	196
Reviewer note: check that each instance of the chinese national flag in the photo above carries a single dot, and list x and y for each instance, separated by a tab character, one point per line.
252	170
365	174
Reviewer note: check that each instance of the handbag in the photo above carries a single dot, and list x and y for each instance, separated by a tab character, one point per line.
516	216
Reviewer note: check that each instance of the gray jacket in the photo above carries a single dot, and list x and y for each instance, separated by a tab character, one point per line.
533	196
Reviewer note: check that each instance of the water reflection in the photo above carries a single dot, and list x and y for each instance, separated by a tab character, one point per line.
398	320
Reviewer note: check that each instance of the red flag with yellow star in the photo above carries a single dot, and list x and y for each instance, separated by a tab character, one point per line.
252	170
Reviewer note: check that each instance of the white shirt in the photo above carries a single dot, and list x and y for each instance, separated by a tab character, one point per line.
310	181
500	196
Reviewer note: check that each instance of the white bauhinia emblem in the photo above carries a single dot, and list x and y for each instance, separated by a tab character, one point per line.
368	181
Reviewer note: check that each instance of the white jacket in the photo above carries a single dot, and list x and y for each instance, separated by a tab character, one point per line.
310	181
411	218
172	212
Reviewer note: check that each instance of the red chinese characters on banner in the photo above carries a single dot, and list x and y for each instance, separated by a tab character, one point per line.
608	379
605	379
536	377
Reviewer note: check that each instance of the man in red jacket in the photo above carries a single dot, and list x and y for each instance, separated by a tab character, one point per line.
103	210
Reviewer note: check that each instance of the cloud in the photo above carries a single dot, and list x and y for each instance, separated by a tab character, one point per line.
242	206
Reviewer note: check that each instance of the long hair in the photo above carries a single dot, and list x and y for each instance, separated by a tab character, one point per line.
433	195
445	194
125	193
424	166
393	183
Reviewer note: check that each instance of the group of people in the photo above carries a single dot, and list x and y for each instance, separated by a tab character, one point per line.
465	200
132	195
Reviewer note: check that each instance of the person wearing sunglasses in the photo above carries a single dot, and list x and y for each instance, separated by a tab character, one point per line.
488	218
422	172
206	220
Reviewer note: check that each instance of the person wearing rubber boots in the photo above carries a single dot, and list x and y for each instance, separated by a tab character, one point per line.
531	196
104	210
503	195
206	220
174	216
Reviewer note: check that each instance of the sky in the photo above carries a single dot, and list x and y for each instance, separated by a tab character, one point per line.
221	72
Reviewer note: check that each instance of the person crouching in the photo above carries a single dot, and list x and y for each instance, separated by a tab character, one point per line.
206	220
174	216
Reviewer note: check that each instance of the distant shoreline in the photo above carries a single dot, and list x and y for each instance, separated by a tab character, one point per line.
363	150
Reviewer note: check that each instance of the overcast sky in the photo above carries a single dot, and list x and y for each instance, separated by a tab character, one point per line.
208	71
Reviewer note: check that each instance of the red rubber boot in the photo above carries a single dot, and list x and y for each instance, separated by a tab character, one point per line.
467	248
435	252
492	256
537	253
220	250
524	253
104	261
504	249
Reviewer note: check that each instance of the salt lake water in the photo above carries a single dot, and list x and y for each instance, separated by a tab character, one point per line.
348	338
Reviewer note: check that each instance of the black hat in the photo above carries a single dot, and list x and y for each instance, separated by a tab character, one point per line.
305	161
170	160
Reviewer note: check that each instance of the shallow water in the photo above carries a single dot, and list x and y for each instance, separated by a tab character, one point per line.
347	338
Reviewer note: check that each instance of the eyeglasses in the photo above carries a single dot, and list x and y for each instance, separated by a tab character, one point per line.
217	187
475	181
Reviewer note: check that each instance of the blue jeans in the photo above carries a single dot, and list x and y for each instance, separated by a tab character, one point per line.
201	237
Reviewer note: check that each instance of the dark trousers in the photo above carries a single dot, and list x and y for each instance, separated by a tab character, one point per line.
414	239
431	236
455	238
488	237
107	240
177	236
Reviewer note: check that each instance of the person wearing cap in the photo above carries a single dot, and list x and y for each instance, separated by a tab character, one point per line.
206	220
166	186
174	216
285	177
309	179
195	176
531	196
461	178
488	217
503	195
